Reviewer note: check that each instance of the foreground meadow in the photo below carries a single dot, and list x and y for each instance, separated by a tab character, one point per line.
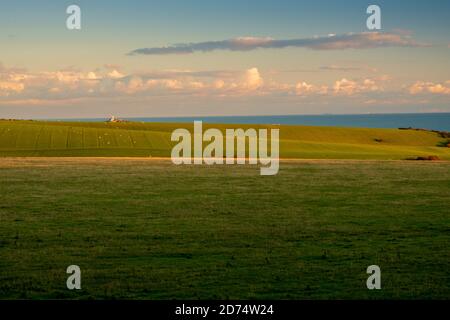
146	229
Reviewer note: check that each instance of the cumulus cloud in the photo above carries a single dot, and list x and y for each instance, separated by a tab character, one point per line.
253	79
350	87
186	82
114	74
8	87
303	88
345	86
363	40
430	87
11	80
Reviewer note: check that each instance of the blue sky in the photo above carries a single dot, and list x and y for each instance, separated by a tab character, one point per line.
49	71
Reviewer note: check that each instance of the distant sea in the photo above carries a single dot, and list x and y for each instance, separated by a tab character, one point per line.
433	121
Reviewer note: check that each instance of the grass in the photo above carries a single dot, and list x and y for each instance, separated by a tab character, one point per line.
151	230
83	139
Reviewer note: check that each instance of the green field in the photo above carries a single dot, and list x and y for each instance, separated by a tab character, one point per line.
147	229
151	230
36	138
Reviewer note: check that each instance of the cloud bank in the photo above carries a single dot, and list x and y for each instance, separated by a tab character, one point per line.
421	87
19	87
363	40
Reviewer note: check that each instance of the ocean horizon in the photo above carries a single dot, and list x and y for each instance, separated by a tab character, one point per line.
430	121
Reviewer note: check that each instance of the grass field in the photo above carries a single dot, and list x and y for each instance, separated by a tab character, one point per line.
149	229
36	138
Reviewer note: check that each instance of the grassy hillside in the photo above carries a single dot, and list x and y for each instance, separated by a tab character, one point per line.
36	138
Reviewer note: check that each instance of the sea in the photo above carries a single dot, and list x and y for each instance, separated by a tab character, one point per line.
431	121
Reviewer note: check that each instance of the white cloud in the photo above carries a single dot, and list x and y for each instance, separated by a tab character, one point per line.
430	87
344	86
253	79
303	88
351	87
114	74
8	87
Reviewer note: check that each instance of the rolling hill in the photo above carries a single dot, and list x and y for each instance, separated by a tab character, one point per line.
133	139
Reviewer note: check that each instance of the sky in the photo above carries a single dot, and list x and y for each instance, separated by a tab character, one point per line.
191	58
